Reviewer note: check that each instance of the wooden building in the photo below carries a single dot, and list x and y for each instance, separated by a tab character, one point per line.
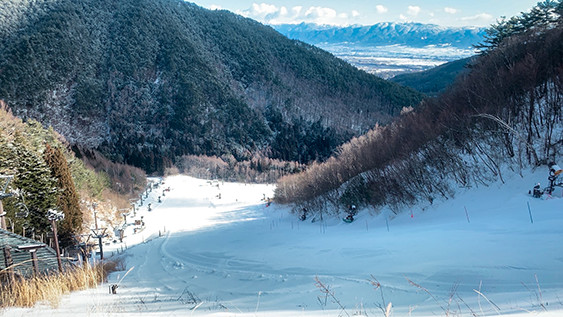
21	253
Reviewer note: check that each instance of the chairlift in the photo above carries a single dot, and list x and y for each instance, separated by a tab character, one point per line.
6	179
21	214
23	210
53	214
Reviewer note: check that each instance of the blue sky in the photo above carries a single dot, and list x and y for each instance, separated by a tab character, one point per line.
367	12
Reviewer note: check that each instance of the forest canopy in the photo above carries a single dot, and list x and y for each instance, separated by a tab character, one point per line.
148	81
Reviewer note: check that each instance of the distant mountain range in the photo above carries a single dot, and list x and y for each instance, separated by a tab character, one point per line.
390	49
409	34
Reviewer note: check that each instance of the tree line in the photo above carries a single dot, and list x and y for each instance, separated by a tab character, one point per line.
47	175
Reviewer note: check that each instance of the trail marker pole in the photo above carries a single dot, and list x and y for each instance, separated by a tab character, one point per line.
387	223
530	212
466	214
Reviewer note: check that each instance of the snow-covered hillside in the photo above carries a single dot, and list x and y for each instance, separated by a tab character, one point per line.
216	249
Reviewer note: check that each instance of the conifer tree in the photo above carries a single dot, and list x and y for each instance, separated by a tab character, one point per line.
544	15
67	199
33	181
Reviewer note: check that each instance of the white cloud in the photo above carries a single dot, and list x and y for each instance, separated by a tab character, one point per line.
480	19
215	7
413	10
272	14
320	13
381	9
450	10
263	9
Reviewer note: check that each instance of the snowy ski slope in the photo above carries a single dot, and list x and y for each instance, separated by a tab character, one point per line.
483	253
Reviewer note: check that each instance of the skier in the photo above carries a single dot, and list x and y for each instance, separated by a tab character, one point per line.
351	213
353	210
537	191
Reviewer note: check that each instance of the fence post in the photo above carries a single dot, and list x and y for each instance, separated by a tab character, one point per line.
9	263
34	262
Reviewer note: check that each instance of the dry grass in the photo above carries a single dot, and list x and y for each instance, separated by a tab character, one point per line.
50	288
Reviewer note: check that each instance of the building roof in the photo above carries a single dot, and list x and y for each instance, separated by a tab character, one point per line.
46	256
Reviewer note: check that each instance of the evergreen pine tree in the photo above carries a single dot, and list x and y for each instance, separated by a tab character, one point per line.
67	199
38	189
544	15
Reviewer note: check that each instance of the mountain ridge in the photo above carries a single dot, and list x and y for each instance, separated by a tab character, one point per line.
147	81
385	33
435	80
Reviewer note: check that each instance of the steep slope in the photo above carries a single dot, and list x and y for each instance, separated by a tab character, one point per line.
150	80
411	34
435	80
505	112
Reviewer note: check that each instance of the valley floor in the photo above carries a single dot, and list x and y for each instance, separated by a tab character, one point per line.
216	249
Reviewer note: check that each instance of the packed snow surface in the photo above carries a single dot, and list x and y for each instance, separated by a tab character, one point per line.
217	249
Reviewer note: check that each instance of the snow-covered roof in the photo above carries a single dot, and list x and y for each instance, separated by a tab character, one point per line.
46	256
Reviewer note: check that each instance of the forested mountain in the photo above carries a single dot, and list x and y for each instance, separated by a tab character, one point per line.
502	116
410	34
435	80
146	81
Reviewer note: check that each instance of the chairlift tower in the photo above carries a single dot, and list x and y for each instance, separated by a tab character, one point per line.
100	234
124	214
54	216
94	205
133	201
